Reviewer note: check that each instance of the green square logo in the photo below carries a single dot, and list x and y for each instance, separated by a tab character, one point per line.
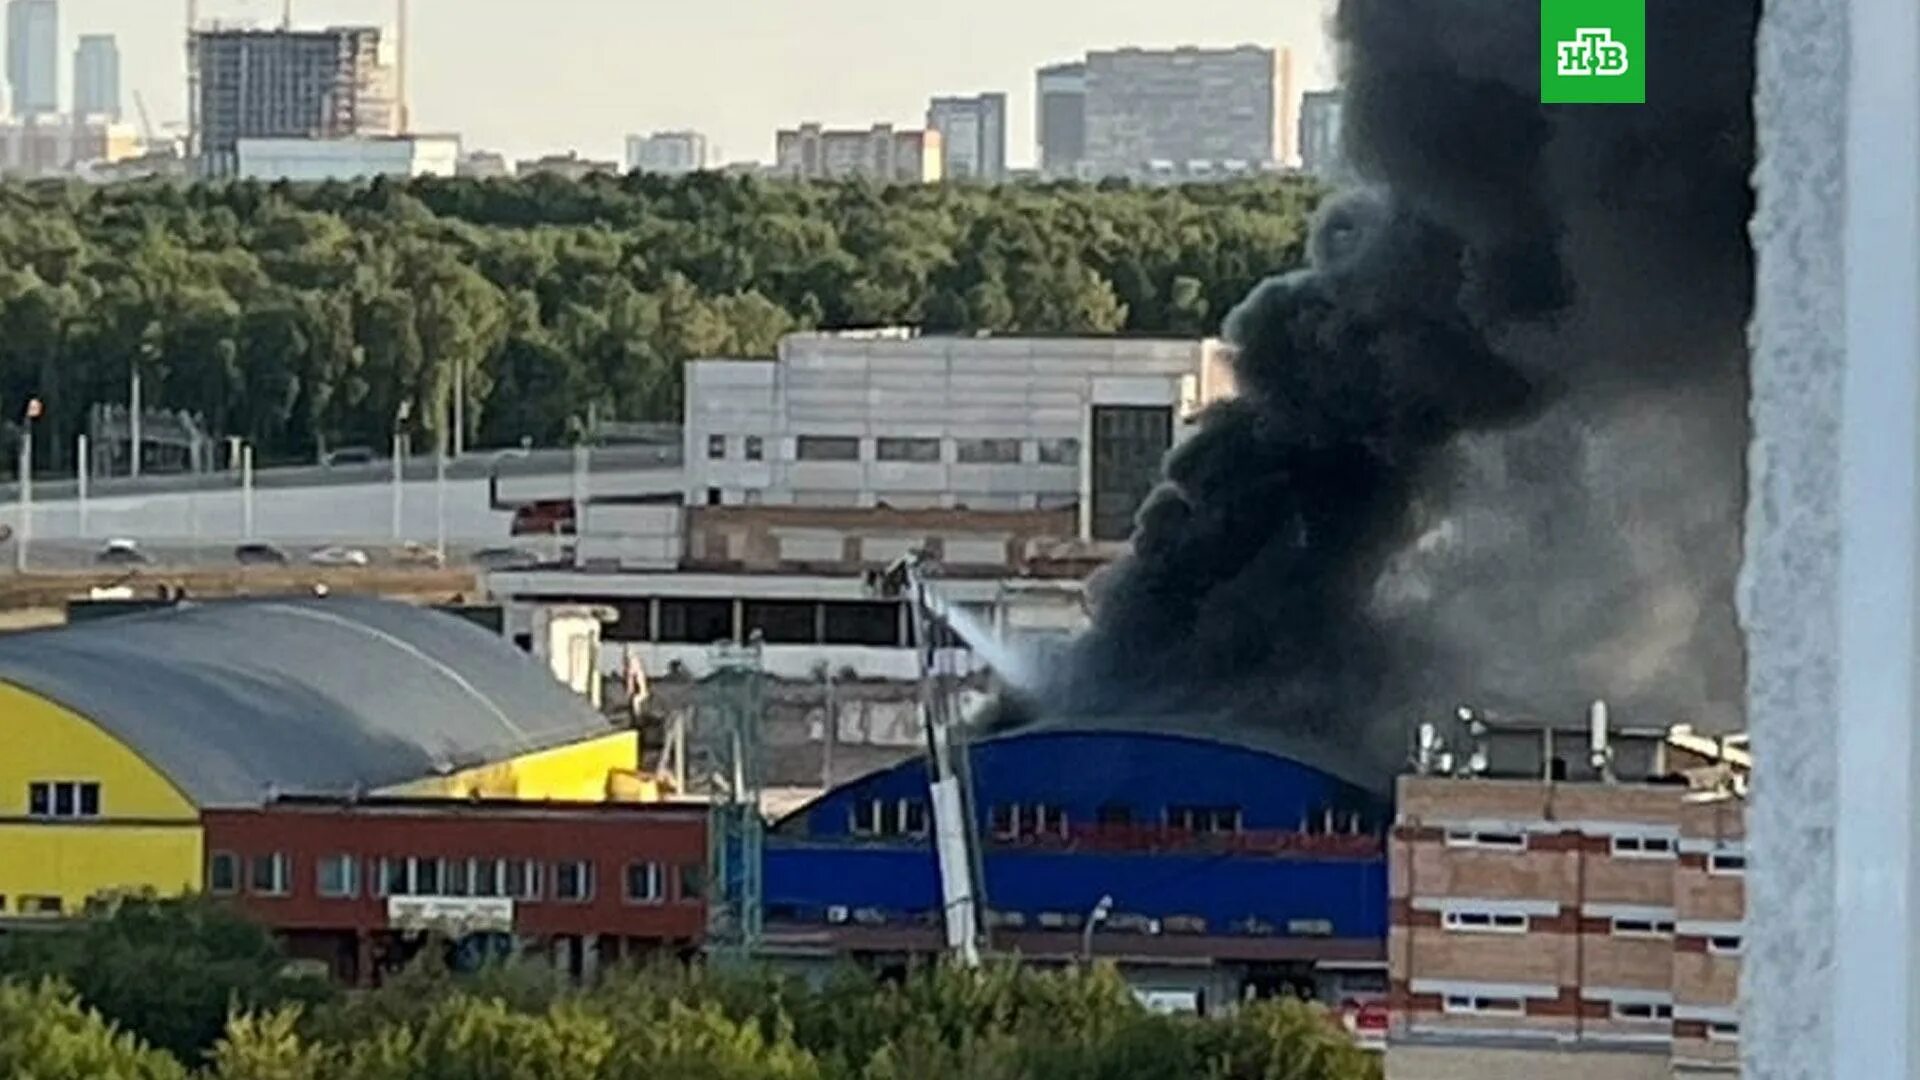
1593	52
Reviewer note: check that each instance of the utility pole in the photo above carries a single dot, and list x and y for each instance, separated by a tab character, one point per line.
399	466
459	408
133	422
82	471
246	490
26	485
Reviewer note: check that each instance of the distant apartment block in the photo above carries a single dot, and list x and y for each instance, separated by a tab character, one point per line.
1061	120
33	57
669	153
1320	133
485	165
314	160
287	84
1570	925
568	166
1185	113
96	77
58	146
880	153
973	136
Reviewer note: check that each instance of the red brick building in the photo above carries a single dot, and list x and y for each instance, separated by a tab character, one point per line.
361	885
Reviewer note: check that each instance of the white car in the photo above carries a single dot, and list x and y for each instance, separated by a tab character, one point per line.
339	556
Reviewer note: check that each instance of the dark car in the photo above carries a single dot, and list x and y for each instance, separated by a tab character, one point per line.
505	558
259	555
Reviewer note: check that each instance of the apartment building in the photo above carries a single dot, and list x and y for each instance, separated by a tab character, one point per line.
1320	122
1186	113
973	136
880	153
1574	923
1060	96
669	153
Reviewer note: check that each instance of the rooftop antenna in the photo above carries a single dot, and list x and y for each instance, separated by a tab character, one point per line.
286	14
400	66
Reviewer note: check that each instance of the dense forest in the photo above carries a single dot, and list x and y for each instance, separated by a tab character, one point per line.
302	317
172	990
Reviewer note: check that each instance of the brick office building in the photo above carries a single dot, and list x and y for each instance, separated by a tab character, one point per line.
359	885
1572	927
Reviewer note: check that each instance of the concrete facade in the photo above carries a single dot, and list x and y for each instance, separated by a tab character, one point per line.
922	422
880	153
315	160
973	136
1182	111
1060	98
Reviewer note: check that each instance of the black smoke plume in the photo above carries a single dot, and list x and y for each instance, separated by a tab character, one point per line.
1488	445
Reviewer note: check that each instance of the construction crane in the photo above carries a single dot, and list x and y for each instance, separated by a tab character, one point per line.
955	835
146	122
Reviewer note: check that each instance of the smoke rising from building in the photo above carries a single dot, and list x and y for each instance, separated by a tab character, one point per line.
1489	444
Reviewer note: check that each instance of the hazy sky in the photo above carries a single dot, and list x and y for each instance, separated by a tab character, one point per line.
529	76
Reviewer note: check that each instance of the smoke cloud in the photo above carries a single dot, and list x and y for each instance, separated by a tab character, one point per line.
1489	443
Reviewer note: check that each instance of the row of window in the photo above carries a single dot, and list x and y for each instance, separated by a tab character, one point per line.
345	877
1624	846
34	905
1492	922
63	799
1023	821
1493	1005
924	450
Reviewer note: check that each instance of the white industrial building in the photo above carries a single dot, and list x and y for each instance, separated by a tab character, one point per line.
669	153
357	158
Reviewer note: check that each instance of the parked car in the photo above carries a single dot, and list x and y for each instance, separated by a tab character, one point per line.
339	556
348	455
418	554
259	555
121	552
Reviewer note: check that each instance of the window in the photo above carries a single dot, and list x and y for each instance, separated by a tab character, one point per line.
1723	1032
781	622
860	622
63	799
696	622
487	876
644	884
1481	1005
573	881
456	878
337	877
1727	864
716	447
1642	928
268	875
522	879
1059	451
827	448
1049	820
987	451
223	873
913	817
922	450
1004	821
1114	814
867	817
1484	922
693	882
1641	1010
713	496
1643	847
1204	819
1497	841
40	905
426	876
1724	945
393	878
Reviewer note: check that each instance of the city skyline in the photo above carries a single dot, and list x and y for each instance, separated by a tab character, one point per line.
603	70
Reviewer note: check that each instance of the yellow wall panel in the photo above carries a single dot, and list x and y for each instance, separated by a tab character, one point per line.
581	771
147	834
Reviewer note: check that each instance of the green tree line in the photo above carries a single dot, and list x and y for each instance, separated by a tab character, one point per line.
208	1000
305	316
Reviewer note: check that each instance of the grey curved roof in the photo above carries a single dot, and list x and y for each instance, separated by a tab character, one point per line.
237	699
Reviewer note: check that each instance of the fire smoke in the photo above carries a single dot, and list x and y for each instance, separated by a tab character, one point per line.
1489	443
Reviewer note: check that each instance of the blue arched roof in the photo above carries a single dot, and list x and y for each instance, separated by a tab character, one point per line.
1082	771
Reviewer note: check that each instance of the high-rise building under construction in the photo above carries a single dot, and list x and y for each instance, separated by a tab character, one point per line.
317	84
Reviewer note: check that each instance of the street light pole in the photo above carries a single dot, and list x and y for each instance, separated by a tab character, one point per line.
82	473
246	489
26	485
399	467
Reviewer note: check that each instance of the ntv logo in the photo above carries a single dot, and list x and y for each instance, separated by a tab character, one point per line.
1592	52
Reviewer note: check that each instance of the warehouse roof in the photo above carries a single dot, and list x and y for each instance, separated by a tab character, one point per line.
239	700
